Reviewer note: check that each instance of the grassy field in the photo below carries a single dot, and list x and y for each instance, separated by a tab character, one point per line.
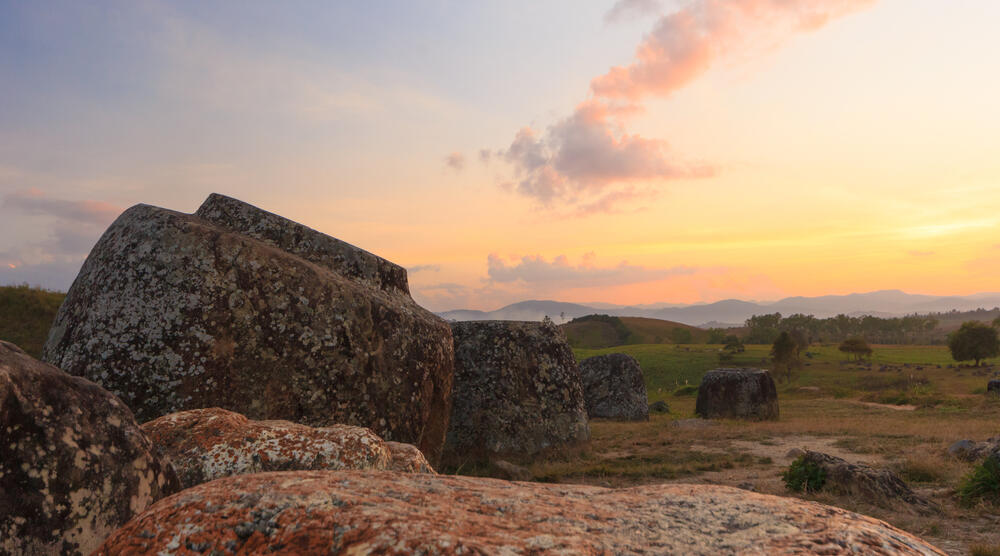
900	410
26	314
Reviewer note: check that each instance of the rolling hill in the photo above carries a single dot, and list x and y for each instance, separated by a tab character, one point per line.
601	331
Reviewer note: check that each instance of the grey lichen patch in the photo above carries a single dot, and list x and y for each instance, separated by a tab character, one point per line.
75	465
238	308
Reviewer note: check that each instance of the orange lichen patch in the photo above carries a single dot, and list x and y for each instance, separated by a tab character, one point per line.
207	444
402	513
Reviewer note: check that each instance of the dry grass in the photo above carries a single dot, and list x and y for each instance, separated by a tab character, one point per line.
830	415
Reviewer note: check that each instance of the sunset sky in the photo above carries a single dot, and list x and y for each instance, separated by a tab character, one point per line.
577	150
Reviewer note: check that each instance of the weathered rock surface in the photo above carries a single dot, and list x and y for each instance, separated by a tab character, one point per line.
208	444
880	487
351	512
613	387
74	465
517	391
971	450
737	394
238	308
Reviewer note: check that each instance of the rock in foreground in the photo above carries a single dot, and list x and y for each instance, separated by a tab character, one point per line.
74	465
614	388
737	394
338	512
880	487
517	391
239	308
208	444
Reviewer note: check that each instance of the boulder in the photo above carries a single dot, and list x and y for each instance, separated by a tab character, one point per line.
880	487
238	308
613	387
208	444
517	391
968	450
659	407
407	458
74	465
737	394
353	512
506	470
993	387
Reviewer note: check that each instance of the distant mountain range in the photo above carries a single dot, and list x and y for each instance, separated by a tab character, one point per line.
733	312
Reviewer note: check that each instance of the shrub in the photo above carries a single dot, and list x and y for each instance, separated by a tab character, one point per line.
982	483
687	390
804	475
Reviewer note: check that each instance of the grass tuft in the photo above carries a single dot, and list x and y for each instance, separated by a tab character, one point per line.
981	484
804	476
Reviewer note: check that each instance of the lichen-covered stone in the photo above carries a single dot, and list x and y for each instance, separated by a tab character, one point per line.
517	391
238	308
614	388
352	512
880	487
737	394
407	458
208	444
74	465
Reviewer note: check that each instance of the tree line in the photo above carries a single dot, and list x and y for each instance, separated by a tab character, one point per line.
911	329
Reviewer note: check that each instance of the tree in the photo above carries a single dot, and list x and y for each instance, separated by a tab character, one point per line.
785	352
716	336
681	336
734	344
762	329
856	346
974	340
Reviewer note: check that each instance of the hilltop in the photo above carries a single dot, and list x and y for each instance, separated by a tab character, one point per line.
602	331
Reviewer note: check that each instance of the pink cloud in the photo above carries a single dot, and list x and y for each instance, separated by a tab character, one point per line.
589	161
684	44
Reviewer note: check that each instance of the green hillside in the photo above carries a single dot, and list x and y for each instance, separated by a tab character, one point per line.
26	314
602	331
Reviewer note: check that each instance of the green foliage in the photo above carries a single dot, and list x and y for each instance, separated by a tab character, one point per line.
734	344
974	340
911	329
26	314
681	336
803	475
857	347
716	336
763	329
982	483
785	353
686	390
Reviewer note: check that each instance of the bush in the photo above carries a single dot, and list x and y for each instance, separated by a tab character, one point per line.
688	390
982	483
804	475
